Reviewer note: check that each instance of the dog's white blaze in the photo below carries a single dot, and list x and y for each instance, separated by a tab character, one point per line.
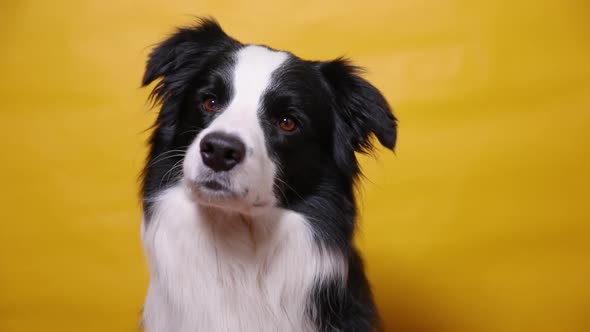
225	271
212	272
252	76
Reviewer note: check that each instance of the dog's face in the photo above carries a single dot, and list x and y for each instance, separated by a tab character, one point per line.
245	127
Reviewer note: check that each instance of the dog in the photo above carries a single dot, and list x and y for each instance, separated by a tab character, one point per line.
248	189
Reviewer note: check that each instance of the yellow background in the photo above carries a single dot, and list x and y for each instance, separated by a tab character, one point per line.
479	223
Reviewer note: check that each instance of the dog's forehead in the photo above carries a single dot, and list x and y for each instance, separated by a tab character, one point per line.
253	72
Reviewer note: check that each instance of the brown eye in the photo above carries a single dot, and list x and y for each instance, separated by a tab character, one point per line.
287	123
210	105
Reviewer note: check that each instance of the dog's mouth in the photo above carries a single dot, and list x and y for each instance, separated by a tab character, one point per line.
210	191
213	185
218	191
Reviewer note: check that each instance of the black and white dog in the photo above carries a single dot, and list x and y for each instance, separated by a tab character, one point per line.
248	190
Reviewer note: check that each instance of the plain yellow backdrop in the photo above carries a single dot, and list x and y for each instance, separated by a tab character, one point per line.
480	222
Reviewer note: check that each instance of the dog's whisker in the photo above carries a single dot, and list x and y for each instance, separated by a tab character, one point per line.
166	158
278	178
176	166
196	130
164	155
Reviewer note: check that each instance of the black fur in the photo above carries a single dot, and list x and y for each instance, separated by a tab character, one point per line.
337	112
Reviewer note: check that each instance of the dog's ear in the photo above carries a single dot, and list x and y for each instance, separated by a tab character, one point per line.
188	48
361	111
176	62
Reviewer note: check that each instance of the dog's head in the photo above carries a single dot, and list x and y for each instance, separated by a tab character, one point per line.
246	127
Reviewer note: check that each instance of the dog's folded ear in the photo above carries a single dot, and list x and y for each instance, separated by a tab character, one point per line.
360	105
176	62
188	48
361	110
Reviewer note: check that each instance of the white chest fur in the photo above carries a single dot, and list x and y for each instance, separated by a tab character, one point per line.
212	272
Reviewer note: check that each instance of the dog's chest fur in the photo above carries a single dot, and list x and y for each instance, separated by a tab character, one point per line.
227	273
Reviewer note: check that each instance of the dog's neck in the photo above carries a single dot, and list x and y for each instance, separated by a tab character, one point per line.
237	271
239	234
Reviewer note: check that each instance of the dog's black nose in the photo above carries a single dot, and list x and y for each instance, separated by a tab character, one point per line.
221	152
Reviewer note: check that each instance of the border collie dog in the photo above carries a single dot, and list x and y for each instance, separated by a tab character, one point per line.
248	190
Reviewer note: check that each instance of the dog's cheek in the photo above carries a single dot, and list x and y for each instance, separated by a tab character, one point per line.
192	162
256	179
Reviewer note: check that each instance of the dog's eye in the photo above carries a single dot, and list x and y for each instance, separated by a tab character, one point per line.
210	105
287	123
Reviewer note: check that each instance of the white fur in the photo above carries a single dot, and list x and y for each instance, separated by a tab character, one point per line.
229	272
233	262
